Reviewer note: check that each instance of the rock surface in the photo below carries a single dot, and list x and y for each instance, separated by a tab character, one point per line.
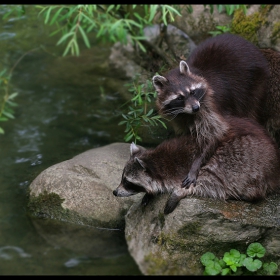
84	186
160	244
173	244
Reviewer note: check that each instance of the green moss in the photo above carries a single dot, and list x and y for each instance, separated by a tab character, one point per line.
167	260
157	266
128	238
275	34
248	26
161	239
202	25
171	243
176	244
46	205
161	219
190	229
49	206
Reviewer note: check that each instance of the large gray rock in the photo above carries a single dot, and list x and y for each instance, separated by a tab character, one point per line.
173	244
79	190
268	34
123	57
261	21
200	21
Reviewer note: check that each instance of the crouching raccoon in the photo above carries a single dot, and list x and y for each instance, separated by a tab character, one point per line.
244	166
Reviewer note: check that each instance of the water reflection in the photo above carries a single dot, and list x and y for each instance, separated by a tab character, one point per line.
7	252
66	106
76	261
7	35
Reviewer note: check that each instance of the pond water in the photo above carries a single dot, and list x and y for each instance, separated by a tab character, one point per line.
66	106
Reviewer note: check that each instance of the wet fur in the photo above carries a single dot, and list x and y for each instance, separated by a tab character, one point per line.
233	74
244	166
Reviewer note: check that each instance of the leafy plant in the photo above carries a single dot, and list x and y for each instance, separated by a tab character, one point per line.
220	29
19	10
140	112
113	23
235	263
229	9
110	23
7	100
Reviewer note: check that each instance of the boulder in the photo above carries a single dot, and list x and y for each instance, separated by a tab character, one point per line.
79	190
173	244
124	59
198	23
260	25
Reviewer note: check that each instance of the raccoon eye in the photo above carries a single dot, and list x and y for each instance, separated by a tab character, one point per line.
198	93
180	97
192	92
132	187
127	183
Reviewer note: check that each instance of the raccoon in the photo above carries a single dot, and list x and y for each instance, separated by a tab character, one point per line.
244	166
225	75
272	103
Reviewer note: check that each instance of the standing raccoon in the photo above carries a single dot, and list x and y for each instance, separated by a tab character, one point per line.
272	104
225	75
244	166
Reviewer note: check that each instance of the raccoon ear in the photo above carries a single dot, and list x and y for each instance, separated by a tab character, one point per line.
134	149
141	162
159	82
184	68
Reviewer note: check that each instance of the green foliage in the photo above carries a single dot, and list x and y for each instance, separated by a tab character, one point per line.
229	9
235	263
140	112
168	13
111	23
220	29
248	26
6	99
19	10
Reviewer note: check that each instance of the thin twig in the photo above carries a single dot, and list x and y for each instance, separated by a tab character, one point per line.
21	59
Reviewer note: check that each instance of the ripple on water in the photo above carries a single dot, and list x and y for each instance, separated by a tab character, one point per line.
7	252
6	35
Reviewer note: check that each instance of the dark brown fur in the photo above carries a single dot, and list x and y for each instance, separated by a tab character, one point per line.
229	75
245	166
272	103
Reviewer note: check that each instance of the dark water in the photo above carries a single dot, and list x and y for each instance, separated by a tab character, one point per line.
66	106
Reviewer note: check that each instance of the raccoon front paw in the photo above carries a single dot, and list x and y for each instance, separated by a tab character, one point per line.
189	179
171	203
146	199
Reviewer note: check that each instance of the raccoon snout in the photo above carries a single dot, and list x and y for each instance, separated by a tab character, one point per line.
115	193
195	108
